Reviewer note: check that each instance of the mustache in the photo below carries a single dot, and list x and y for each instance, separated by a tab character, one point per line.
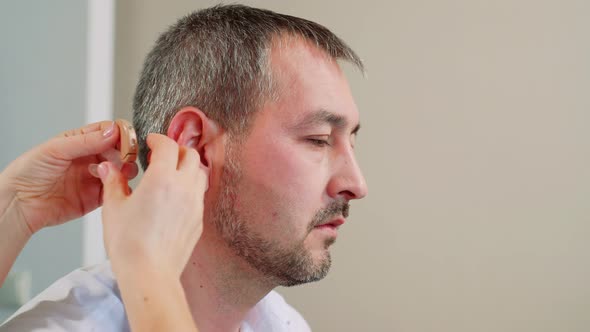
339	207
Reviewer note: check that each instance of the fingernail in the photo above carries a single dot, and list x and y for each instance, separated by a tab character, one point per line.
109	131
103	170
92	168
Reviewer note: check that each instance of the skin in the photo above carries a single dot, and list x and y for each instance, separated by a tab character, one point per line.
148	243
51	184
286	177
150	234
295	170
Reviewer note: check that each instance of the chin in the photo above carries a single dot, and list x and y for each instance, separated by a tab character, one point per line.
318	266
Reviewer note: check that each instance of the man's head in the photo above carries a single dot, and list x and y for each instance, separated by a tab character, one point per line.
283	160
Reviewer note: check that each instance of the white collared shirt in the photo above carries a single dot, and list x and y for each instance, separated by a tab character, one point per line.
88	299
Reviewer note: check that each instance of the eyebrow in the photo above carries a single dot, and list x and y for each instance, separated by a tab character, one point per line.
323	116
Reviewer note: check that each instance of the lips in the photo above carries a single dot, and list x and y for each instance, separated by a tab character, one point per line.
335	223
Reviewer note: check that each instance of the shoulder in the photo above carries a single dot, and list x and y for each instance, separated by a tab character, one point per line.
87	299
273	313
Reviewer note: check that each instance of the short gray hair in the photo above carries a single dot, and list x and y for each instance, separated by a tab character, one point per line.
217	60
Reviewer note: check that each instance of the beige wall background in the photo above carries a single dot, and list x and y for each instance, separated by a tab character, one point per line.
476	148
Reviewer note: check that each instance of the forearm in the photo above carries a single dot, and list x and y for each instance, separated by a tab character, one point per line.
153	300
14	233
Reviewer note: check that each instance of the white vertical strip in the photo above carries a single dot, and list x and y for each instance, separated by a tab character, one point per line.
99	103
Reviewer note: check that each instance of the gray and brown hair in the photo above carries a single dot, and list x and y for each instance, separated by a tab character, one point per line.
217	60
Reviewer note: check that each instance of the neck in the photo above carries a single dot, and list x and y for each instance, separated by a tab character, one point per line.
220	287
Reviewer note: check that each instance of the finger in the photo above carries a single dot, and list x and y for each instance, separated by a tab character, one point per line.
188	158
130	170
115	187
93	127
164	152
197	174
86	143
189	161
114	156
93	170
203	176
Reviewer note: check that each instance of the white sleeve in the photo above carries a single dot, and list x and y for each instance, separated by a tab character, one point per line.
81	301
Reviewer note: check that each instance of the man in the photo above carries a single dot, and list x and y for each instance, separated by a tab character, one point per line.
262	99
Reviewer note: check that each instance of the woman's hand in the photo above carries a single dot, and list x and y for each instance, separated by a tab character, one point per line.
159	224
52	184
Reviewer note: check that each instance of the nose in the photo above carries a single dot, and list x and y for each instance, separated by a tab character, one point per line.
348	180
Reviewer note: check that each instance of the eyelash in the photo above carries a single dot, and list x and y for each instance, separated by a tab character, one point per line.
318	142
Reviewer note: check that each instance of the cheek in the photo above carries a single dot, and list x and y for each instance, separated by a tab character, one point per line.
281	188
275	167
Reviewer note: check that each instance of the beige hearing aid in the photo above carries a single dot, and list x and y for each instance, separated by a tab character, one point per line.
128	141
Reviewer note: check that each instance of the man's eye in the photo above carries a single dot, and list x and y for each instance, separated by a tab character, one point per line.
318	142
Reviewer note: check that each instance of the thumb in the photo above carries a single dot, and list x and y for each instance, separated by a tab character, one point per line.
114	183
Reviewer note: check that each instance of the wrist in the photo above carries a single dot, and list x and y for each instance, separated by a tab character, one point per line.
12	220
149	286
138	257
154	299
10	213
7	193
14	235
146	270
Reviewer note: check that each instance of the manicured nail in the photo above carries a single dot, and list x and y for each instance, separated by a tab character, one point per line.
93	169
109	131
103	170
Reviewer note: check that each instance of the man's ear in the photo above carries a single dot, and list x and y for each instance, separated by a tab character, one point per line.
190	127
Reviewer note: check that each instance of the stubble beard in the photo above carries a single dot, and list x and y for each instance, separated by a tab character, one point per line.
284	265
